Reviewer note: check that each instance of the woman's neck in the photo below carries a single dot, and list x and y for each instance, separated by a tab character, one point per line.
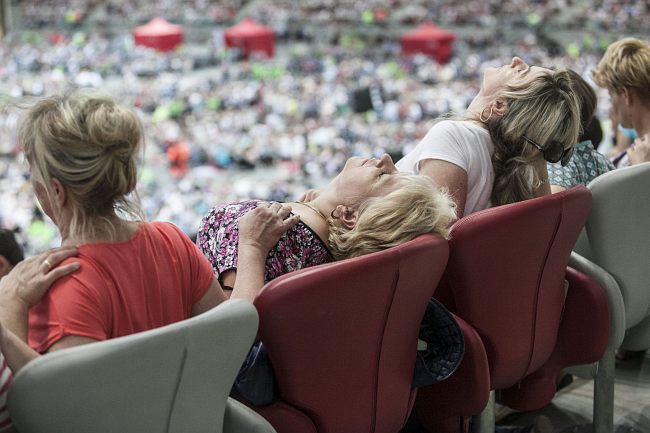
105	230
641	123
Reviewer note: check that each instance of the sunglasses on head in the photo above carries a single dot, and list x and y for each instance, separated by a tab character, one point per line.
554	152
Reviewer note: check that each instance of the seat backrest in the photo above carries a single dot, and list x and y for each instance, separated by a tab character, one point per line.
506	275
342	337
619	234
173	379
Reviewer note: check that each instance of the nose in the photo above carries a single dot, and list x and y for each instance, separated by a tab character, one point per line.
386	163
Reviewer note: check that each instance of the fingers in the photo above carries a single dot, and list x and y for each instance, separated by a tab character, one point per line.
52	258
60	271
309	195
280	210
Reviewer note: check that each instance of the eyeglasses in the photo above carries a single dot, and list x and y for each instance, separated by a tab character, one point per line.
554	152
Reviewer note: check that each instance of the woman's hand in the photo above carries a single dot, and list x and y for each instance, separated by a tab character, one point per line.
259	231
30	279
309	195
262	227
639	151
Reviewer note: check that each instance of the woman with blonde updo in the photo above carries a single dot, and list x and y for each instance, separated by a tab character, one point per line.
114	274
522	117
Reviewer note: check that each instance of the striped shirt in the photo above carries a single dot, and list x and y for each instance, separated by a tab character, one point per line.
5	383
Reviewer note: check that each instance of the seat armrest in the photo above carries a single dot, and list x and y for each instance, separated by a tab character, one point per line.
613	294
239	418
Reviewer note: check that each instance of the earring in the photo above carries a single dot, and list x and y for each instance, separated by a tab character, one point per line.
332	215
480	116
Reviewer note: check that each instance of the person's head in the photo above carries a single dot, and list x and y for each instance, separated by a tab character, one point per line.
10	252
82	149
623	71
413	208
587	100
363	178
531	113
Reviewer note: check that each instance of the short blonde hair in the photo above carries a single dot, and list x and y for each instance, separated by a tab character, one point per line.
626	64
89	143
415	207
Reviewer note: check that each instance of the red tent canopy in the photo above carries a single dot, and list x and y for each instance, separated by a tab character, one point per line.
250	37
159	34
429	39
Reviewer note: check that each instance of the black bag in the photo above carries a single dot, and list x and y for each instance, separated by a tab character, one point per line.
255	381
445	346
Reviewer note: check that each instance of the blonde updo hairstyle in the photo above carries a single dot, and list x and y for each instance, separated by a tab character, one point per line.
545	110
89	143
415	207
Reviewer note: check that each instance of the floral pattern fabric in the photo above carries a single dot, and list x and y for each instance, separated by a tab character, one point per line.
218	239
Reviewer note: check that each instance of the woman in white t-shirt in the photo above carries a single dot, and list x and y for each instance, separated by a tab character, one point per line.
496	153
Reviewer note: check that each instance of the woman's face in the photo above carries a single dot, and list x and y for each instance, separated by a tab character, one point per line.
618	108
498	79
363	178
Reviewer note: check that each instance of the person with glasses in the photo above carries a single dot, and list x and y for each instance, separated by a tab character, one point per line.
586	163
496	153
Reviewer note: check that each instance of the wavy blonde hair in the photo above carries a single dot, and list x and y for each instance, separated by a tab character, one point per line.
89	143
545	110
625	64
415	207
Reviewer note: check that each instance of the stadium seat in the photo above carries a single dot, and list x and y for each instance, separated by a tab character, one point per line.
506	278
342	339
618	239
171	379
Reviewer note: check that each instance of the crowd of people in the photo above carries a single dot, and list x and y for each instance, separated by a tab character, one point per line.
609	15
275	125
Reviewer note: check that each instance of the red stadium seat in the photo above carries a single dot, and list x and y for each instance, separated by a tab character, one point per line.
506	278
342	339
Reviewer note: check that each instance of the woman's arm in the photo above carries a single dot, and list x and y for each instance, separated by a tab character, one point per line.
213	297
23	287
259	231
450	176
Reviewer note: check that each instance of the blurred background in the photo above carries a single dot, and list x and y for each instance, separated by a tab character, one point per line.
266	98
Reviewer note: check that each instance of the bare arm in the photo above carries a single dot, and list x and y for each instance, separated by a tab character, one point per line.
259	231
213	297
23	287
450	176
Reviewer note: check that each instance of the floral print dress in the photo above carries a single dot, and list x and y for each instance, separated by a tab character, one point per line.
218	238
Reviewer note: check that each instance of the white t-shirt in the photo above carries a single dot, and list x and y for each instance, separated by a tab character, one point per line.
464	144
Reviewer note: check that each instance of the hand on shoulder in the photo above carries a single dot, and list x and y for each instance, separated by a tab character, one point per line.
262	227
30	279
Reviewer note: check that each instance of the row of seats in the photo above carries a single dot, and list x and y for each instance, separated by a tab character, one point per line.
342	337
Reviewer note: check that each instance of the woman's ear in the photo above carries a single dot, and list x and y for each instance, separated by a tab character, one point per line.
347	215
499	107
59	193
628	95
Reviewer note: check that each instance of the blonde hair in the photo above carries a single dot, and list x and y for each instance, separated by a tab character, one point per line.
88	143
626	64
544	110
414	208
